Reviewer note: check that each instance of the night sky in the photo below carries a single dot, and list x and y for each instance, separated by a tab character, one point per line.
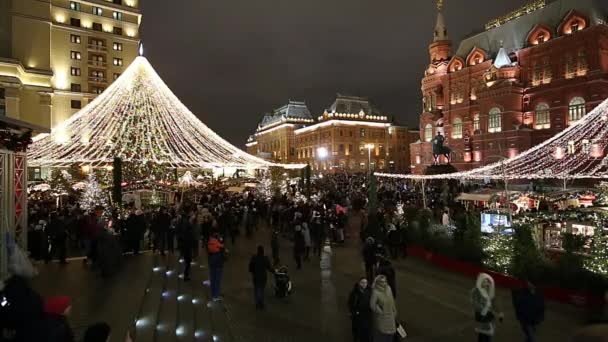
231	61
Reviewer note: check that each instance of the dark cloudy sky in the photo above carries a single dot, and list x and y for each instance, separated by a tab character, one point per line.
230	61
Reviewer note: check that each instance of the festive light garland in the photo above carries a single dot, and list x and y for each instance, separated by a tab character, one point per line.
575	153
140	120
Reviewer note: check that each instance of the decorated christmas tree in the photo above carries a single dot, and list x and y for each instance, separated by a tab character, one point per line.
498	252
60	181
597	262
93	195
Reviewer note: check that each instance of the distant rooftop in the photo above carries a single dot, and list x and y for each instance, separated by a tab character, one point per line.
294	111
352	105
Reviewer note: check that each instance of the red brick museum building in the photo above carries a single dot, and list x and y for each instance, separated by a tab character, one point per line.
527	76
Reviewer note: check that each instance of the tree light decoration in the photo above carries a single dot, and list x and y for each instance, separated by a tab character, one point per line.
140	120
93	196
498	249
597	262
577	152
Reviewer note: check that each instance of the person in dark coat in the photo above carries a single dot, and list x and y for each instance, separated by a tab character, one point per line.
386	269
360	311
258	267
136	227
299	246
369	258
529	306
161	224
185	242
21	311
275	246
57	235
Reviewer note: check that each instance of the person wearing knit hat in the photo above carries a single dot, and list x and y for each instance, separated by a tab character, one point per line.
99	332
55	323
60	305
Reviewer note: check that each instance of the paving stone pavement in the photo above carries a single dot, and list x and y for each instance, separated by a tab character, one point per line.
148	298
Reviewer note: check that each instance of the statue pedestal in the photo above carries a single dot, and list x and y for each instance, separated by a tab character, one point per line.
440	169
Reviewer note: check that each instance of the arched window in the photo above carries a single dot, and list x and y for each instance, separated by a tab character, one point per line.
428	133
494	120
476	123
576	109
457	129
542	116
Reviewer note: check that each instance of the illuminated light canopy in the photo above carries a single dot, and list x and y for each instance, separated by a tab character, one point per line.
578	152
140	120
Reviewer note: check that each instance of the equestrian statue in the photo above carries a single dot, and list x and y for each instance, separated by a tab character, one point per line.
440	150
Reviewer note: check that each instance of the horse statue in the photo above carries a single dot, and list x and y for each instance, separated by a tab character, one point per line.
440	150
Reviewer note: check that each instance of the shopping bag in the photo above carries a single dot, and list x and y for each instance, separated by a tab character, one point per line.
401	331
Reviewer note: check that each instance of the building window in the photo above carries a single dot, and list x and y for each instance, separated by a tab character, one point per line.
576	109
457	129
495	120
428	133
75	22
98	90
97	10
117	15
75	87
570	66
117	46
117	30
476	123
74	6
543	116
571	147
117	61
341	149
541	38
75	39
575	27
116	76
2	102
76	104
75	71
97	27
362	133
350	150
75	55
582	63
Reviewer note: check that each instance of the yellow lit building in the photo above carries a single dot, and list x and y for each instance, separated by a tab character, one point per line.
351	135
57	55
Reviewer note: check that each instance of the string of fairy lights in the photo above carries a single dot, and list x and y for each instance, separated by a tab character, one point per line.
140	120
578	152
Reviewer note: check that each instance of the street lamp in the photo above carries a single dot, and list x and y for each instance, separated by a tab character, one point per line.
322	153
369	148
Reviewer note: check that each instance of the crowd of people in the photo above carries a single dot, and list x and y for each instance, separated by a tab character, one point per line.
339	210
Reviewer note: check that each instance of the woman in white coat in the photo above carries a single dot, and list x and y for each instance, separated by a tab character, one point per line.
384	311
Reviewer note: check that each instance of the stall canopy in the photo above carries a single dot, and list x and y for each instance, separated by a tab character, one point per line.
138	119
577	152
474	197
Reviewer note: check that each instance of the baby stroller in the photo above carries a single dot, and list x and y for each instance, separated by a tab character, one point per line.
282	283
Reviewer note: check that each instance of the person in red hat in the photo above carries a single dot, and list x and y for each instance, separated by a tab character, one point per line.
57	327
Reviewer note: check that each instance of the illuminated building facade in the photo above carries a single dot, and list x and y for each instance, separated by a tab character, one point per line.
528	76
351	135
57	55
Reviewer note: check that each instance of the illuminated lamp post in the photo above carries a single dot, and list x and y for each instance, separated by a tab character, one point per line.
369	148
322	153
